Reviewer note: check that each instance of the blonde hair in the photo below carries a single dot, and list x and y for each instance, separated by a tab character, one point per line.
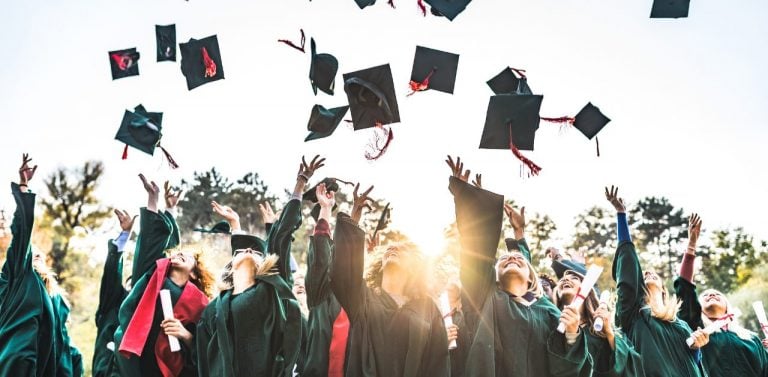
416	287
734	326
267	267
667	310
534	286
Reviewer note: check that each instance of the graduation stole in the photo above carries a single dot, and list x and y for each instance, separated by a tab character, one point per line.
188	309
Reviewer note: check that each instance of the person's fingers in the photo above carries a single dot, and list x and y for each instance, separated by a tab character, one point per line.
522	212
368	191
354	192
167	187
143	180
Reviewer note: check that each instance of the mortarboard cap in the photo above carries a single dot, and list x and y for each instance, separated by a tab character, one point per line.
448	8
331	184
220	227
247	241
590	120
322	70
383	220
562	266
520	112
508	82
434	69
166	42
141	129
670	8
124	63
364	3
323	122
371	95
201	61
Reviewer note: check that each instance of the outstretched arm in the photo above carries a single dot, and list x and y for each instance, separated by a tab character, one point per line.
154	233
517	221
111	292
319	254
19	258
685	289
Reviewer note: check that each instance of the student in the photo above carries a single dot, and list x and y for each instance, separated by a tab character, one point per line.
254	327
396	328
647	314
732	351
142	335
513	326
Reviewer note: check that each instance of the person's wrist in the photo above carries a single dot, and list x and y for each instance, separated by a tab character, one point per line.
519	234
303	177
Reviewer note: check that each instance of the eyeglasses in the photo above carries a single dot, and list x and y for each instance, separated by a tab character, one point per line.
506	257
249	251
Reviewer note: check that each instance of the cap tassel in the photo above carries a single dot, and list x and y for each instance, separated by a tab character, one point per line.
171	161
391	3
421	86
519	72
125	152
533	169
562	121
210	65
291	44
597	145
423	7
123	61
375	149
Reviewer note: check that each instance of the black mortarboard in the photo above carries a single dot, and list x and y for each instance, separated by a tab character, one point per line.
331	184
507	82
201	61
371	95
124	63
219	227
434	69
141	129
322	121
670	8
561	266
322	70
590	120
383	220
520	112
247	241
448	8
364	3
166	42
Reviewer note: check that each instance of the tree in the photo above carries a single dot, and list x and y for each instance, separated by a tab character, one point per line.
71	204
731	260
594	232
660	226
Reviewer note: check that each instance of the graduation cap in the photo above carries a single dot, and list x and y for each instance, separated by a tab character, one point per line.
562	266
670	8
383	220
433	69
201	61
511	123
322	121
221	227
590	121
247	241
166	42
124	63
448	8
142	130
331	184
510	81
371	95
364	3
322	70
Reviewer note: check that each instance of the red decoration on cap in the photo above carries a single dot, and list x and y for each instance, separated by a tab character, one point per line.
421	86
376	149
391	3
123	61
561	120
171	161
520	72
210	65
423	7
289	43
533	169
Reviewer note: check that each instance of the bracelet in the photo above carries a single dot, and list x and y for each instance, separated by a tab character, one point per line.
301	175
23	185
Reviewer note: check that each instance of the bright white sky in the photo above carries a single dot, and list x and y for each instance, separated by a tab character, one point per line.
687	98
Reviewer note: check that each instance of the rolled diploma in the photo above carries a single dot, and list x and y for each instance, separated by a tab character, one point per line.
714	326
586	286
760	313
605	297
165	301
445	309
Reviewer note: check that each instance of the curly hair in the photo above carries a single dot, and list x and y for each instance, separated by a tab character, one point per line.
201	276
417	285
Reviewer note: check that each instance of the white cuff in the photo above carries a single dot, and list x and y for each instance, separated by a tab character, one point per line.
570	339
121	240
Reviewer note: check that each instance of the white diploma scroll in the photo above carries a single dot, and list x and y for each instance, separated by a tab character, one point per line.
586	286
445	309
714	326
605	297
165	300
760	313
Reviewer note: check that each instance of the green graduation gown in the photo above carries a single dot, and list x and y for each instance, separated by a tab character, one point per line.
27	318
508	338
158	232
661	343
111	295
726	354
70	361
257	332
385	340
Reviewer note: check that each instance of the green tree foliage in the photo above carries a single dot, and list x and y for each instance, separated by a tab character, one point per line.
730	262
594	232
660	226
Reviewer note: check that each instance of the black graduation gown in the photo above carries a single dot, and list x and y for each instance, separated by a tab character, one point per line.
257	332
111	295
508	338
726	354
27	319
661	343
385	340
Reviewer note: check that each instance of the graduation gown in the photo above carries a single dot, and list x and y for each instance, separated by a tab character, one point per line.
726	354
111	295
257	332
27	318
385	340
508	338
158	233
661	343
70	361
328	324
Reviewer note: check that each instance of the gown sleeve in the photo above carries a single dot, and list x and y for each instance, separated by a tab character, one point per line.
18	259
281	236
111	292
154	237
628	275
568	360
347	266
317	281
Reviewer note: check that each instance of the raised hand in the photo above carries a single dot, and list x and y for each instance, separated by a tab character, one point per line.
25	172
372	242
516	220
457	168
126	221
172	195
153	193
267	214
478	181
307	170
360	201
612	195
571	318
694	230
325	198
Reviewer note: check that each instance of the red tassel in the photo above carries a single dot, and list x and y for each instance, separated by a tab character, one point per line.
171	161
568	120
597	145
210	65
420	86
423	7
375	149
122	61
520	72
289	43
391	3
527	163
125	152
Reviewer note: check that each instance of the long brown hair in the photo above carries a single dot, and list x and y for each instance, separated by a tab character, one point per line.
201	276
588	309
416	287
